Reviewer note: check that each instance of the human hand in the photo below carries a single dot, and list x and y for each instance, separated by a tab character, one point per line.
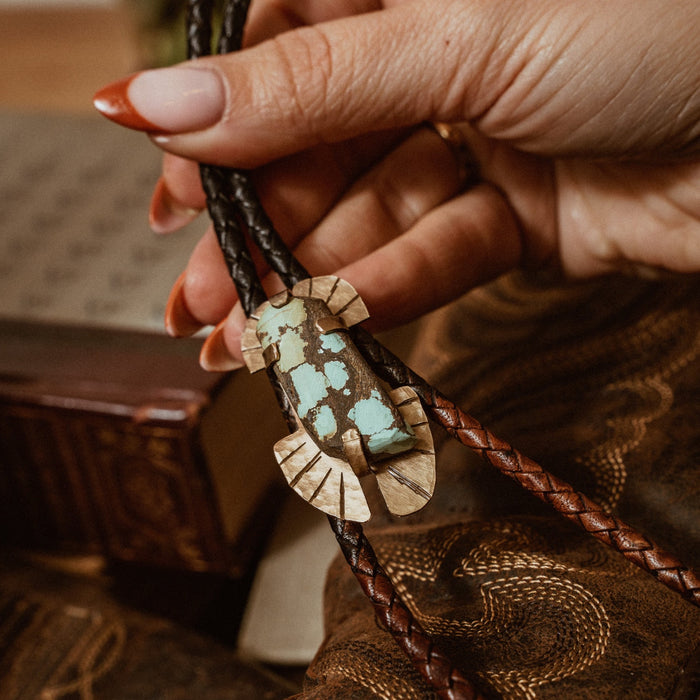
584	118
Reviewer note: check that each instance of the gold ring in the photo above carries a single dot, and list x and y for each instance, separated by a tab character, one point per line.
643	271
453	138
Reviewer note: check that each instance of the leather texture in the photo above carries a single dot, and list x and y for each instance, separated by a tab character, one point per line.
227	225
598	383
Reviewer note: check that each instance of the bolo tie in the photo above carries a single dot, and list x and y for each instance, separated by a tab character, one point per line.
355	410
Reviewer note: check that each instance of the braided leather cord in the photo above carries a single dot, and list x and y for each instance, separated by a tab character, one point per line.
232	23
263	233
573	505
198	25
392	613
231	199
216	181
258	223
224	214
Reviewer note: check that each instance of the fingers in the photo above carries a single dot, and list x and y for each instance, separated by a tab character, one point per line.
550	77
268	18
203	294
466	241
416	176
320	84
401	236
296	191
178	196
624	216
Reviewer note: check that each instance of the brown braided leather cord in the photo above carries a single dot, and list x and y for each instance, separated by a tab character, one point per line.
573	505
432	663
425	655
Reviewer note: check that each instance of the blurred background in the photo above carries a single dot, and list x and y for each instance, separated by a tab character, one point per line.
57	53
116	510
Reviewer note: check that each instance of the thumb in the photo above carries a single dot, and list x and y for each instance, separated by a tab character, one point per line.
322	83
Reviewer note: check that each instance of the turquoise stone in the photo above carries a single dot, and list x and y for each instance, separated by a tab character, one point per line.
328	382
311	387
337	374
325	423
376	422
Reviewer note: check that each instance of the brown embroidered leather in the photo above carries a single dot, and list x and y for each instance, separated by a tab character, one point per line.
598	382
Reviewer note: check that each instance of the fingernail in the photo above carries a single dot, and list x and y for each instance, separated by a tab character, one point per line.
166	213
168	100
179	321
215	355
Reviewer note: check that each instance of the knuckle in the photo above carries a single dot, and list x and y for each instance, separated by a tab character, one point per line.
300	86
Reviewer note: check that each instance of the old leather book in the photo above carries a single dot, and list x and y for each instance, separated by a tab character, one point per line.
112	440
118	444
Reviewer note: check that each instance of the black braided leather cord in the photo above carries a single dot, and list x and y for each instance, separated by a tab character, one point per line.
240	189
198	25
225	216
222	203
232	24
263	233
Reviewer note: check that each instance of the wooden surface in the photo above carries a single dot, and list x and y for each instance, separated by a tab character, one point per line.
55	59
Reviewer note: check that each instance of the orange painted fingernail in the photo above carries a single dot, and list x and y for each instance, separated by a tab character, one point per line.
167	100
215	355
179	320
114	103
166	213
